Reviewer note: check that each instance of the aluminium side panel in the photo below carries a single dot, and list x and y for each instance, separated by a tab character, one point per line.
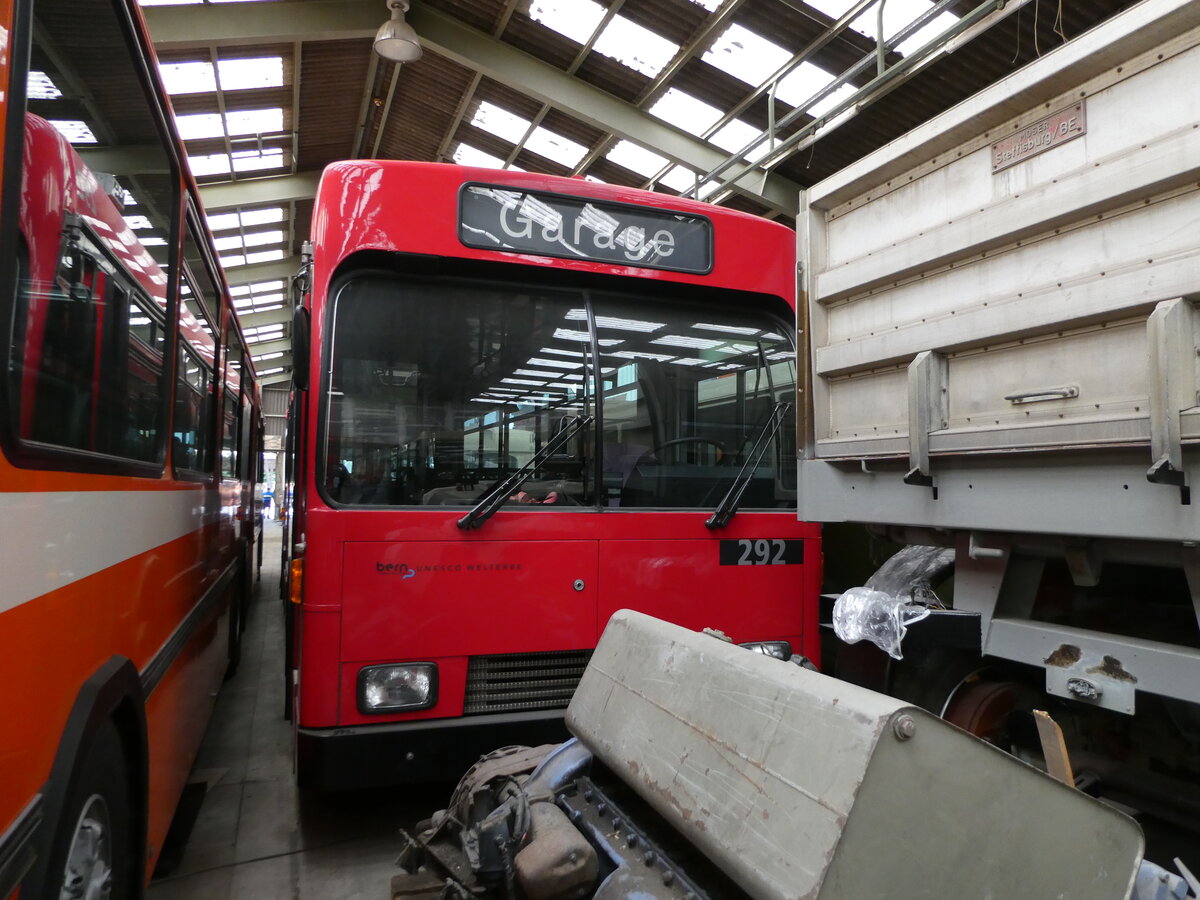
1002	303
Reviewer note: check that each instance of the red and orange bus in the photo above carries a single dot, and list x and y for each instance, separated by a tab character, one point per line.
528	401
129	432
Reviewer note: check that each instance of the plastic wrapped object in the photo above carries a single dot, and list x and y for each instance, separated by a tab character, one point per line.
896	596
910	570
862	614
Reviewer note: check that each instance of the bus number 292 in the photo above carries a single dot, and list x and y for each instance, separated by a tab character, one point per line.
762	552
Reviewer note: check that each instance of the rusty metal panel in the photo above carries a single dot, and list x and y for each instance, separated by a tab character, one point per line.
801	786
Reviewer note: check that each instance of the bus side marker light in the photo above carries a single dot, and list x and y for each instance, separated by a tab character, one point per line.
397	688
296	581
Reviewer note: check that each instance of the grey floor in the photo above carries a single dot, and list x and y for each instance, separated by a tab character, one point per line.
257	836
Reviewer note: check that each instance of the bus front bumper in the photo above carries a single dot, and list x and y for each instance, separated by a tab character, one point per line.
361	756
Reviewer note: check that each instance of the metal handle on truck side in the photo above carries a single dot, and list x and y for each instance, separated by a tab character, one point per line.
1066	392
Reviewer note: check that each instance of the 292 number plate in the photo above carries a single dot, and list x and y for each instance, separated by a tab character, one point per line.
762	552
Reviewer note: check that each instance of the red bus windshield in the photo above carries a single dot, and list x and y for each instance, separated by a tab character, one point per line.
438	388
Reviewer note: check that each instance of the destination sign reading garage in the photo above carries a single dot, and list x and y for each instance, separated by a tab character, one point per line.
496	218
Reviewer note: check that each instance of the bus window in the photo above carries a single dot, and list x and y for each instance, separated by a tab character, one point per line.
230	420
89	376
193	434
438	389
687	400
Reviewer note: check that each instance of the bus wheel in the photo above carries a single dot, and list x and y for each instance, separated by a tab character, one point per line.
94	856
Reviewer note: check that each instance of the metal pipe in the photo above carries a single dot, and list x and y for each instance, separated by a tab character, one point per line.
564	764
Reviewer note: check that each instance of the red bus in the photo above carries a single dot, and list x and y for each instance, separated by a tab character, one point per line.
528	401
129	435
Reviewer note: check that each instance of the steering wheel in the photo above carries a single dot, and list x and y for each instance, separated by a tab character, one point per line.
675	442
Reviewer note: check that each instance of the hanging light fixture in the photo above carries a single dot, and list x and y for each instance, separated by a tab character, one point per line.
396	40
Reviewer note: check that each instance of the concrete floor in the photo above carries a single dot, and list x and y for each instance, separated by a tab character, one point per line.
257	836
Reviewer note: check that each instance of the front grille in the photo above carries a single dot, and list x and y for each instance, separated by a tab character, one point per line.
514	682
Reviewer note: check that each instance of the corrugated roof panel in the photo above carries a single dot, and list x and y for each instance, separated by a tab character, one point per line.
328	118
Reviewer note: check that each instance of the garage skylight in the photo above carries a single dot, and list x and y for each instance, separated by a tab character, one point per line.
247	74
255	160
637	159
632	45
576	19
212	164
513	128
199	77
500	122
255	121
754	59
799	85
745	55
679	178
74	130
686	112
896	15
199	126
466	155
622	39
251	258
736	134
39	87
563	151
256	288
246	219
188	77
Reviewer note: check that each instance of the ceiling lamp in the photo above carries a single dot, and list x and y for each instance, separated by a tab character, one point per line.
396	40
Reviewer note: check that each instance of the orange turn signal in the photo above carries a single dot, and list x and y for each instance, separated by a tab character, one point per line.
296	583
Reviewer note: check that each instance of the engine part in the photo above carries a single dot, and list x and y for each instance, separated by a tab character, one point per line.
558	863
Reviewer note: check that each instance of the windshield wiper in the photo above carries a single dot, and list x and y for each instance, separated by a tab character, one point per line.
498	496
766	434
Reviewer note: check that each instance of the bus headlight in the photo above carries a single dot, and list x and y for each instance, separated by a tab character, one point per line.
397	688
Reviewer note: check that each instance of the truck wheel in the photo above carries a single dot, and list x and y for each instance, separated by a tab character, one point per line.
92	857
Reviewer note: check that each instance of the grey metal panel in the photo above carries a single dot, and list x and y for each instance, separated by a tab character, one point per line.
270	317
1107	497
1084	176
265	271
280	378
275	402
802	786
1150	666
1035	283
1013	295
255	191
